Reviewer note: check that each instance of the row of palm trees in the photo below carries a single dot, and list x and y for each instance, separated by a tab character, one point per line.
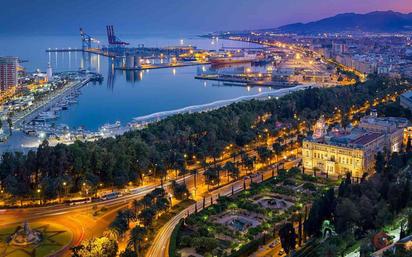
142	212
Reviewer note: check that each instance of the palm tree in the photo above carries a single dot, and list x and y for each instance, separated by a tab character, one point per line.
137	236
233	171
137	206
195	172
111	233
278	149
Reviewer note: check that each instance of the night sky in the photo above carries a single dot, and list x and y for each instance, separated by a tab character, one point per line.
173	16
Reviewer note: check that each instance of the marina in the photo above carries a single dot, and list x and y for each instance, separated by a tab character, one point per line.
142	85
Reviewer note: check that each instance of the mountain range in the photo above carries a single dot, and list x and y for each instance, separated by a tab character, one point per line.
379	21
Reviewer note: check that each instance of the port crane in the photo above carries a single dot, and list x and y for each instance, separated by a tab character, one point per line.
113	40
87	40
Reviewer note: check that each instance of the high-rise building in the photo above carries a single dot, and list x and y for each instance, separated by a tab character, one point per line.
8	72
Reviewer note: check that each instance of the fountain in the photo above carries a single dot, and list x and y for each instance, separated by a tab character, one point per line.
25	236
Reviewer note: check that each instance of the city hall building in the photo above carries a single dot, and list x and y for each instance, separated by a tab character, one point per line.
352	150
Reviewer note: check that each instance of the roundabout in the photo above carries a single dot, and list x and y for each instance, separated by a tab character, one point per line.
36	239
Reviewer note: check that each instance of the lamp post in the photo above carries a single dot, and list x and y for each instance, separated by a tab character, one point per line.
38	195
64	189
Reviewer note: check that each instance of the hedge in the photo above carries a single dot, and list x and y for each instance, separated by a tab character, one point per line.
173	240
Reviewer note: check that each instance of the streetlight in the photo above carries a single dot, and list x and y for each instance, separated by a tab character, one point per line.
64	188
38	194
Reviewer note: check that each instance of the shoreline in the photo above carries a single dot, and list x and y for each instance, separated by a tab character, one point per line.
134	123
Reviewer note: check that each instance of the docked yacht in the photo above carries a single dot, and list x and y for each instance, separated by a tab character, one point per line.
107	128
46	116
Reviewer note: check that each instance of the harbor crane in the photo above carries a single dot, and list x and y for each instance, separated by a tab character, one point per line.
87	40
113	40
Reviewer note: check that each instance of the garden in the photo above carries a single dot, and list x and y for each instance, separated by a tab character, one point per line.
242	222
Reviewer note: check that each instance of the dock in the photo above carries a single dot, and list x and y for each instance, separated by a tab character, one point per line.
45	104
97	51
245	81
163	66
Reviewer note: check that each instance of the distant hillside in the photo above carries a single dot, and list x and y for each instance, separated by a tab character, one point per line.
387	21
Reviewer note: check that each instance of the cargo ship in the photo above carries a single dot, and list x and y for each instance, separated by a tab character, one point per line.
229	58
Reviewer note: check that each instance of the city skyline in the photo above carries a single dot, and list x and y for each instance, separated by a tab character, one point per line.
174	17
133	128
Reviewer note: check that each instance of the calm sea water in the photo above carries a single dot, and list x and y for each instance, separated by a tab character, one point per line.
124	95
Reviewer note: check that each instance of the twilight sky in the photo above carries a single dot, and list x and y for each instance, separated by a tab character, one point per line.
147	17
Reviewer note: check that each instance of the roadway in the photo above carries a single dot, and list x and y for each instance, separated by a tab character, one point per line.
160	245
84	225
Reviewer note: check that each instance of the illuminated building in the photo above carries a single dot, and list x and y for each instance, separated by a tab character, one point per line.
392	127
352	150
8	72
341	154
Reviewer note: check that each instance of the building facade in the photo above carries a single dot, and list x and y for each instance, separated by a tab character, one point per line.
8	73
353	151
392	127
337	157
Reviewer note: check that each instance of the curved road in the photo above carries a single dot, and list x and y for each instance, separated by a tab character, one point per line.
160	245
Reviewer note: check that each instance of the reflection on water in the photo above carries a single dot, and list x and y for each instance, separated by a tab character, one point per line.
125	94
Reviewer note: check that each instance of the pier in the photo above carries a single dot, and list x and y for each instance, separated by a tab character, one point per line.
97	51
245	81
163	66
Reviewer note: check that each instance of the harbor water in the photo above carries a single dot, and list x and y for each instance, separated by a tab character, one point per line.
125	95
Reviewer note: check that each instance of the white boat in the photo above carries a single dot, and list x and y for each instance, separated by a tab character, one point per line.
45	116
110	127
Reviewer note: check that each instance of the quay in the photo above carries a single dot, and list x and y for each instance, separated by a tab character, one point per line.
163	66
97	51
245	81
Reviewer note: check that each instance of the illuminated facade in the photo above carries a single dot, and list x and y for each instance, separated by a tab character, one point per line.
8	73
342	151
353	153
393	128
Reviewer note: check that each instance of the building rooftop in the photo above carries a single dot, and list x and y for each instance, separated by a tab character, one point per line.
356	138
365	139
397	122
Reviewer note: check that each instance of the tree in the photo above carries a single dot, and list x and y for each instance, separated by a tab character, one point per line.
278	149
137	236
287	237
345	121
180	191
380	163
211	177
128	253
205	244
138	205
232	170
96	247
150	151
264	154
147	216
347	215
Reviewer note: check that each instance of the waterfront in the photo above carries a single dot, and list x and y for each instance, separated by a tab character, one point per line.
124	95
